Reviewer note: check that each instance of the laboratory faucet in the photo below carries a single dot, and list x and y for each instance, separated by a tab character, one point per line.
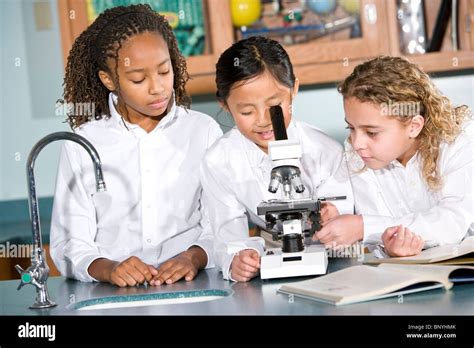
37	273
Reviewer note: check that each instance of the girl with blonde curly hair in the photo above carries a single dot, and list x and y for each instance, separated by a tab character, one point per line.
411	158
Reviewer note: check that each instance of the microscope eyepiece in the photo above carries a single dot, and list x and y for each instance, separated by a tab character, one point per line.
278	122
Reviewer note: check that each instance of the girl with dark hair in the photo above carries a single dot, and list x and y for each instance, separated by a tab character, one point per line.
251	76
127	69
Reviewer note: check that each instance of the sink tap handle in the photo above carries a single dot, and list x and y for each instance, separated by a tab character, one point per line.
26	277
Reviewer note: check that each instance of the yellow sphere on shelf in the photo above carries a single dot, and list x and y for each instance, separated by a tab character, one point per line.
350	6
245	12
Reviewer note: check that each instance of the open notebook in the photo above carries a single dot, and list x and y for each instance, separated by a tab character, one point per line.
367	283
450	254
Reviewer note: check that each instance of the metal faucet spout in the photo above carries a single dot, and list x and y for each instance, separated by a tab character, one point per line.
37	273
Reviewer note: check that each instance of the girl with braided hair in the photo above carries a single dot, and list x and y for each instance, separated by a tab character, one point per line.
151	224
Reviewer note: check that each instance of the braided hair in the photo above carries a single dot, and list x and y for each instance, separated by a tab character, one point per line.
103	40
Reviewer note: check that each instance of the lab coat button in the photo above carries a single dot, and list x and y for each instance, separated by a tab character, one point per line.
148	241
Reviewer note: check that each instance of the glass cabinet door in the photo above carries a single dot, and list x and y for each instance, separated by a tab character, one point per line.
202	28
316	31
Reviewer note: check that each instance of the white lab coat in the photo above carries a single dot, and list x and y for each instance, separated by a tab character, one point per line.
235	174
152	208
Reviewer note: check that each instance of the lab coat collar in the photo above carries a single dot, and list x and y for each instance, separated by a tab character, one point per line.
411	162
166	121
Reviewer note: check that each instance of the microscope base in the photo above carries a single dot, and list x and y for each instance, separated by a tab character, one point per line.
276	264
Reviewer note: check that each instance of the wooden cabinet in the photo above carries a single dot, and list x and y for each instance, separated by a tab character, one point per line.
319	61
73	20
324	61
446	59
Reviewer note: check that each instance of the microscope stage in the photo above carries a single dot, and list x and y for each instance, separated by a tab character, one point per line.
282	206
276	264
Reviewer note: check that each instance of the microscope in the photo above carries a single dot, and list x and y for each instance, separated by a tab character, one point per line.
294	221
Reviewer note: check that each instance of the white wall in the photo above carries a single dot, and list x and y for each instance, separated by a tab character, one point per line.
2	100
30	84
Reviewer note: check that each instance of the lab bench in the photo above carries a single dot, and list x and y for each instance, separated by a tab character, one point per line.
257	297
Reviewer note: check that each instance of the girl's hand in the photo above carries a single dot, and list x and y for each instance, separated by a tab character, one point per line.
341	231
187	265
245	265
129	272
400	241
328	212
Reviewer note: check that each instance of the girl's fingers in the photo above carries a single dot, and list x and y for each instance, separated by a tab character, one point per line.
389	232
130	272
128	279
324	215
162	269
141	272
255	256
158	279
235	274
323	233
152	270
408	234
415	243
388	235
190	275
239	278
168	275
137	277
243	270
400	237
246	263
250	262
166	266
248	268
243	275
401	232
409	237
176	276
119	281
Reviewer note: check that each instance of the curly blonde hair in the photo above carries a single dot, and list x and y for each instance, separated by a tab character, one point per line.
390	80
